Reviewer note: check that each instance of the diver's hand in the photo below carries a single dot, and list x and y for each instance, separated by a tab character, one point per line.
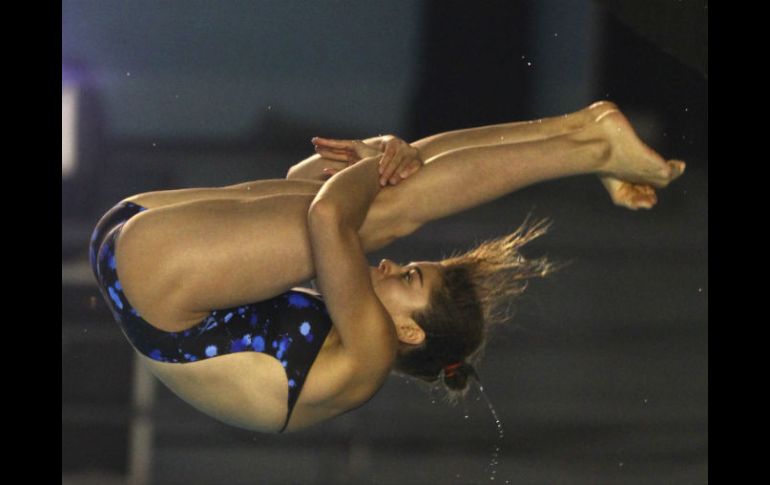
350	151
341	154
400	159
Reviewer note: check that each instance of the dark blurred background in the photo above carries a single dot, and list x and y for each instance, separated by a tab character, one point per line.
602	375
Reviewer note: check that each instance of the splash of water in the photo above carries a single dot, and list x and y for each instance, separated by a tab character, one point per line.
496	454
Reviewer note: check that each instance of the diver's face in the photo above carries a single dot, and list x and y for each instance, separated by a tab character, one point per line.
405	289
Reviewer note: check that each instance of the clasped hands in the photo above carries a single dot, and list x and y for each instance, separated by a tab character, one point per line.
399	159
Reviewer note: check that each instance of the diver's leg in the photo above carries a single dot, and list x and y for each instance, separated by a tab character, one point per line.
506	133
467	177
178	261
242	191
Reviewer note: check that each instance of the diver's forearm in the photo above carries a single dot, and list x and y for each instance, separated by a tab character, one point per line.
350	193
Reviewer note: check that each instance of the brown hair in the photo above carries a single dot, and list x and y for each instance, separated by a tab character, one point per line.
477	287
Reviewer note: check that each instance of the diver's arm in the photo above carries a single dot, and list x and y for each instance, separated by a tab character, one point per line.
349	193
366	329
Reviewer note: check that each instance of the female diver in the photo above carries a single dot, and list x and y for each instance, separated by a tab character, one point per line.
202	281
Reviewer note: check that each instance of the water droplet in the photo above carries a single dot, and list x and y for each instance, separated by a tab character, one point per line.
269	107
556	34
495	454
128	74
523	57
502	138
529	63
700	290
645	401
154	144
686	110
620	464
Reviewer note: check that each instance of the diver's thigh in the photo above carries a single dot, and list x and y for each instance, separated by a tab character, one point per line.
179	260
244	191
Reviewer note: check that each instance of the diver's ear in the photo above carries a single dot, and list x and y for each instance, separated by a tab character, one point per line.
410	333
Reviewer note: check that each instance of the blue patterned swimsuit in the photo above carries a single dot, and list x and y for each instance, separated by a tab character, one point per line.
291	327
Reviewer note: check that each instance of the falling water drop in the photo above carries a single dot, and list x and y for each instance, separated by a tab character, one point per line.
556	34
495	455
529	63
128	74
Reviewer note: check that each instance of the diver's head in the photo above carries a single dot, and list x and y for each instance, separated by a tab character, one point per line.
405	290
445	322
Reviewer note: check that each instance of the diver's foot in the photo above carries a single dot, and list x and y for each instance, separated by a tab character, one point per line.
630	159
